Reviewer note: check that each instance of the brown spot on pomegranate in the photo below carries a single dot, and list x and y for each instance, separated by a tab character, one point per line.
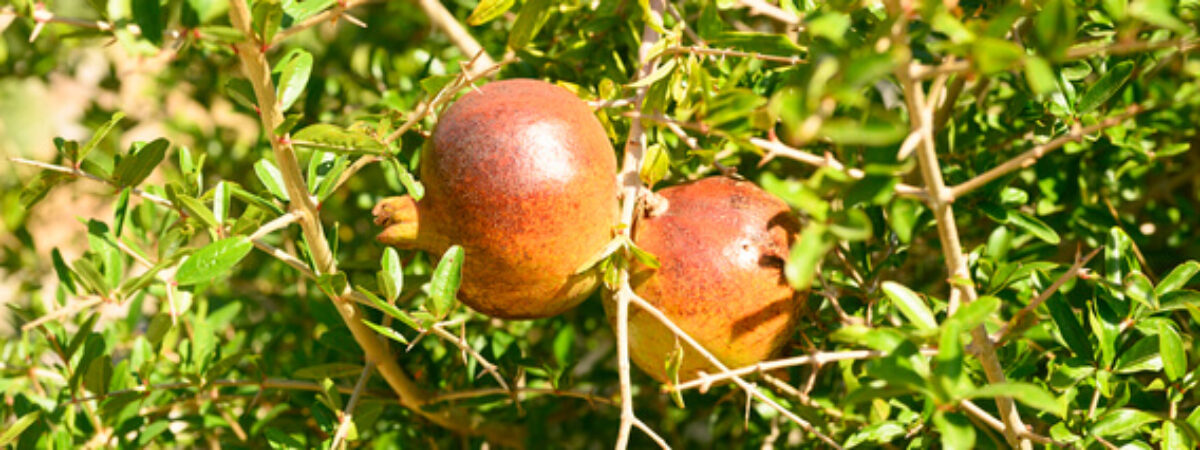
521	174
720	246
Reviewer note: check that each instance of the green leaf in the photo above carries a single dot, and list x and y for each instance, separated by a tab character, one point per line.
99	135
911	305
338	140
36	189
270	177
871	132
220	208
1181	299
529	20
213	260
1174	356
1122	422
956	430
902	217
877	433
447	277
851	225
289	122
1105	87
121	211
389	309
488	10
1030	395
299	10
659	73
994	54
808	251
1179	277
10	435
148	16
1175	437
1138	287
196	208
642	256
62	271
1054	26
242	93
1034	226
387	332
1069	327
330	370
769	43
655	164
294	71
207	10
266	17
133	169
831	25
1158	12
973	314
1040	76
1143	356
391	278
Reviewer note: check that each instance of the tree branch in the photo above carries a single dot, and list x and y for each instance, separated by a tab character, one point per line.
631	188
459	35
257	70
921	117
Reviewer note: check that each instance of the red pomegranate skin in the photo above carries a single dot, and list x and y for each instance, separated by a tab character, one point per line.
521	174
721	244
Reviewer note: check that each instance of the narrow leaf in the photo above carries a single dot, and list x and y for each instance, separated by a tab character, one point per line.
447	278
487	10
911	305
1105	87
213	260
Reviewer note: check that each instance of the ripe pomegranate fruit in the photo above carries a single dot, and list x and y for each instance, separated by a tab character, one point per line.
721	246
521	174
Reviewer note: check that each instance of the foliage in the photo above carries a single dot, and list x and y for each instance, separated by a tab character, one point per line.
198	309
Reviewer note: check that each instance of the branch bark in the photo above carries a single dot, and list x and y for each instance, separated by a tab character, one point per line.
631	187
303	205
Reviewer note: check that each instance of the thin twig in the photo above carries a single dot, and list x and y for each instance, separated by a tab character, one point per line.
781	149
359	164
65	311
991	421
80	173
1031	156
348	415
465	347
275	224
750	389
444	20
924	72
489	392
465	78
1019	317
698	50
332	14
704	380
